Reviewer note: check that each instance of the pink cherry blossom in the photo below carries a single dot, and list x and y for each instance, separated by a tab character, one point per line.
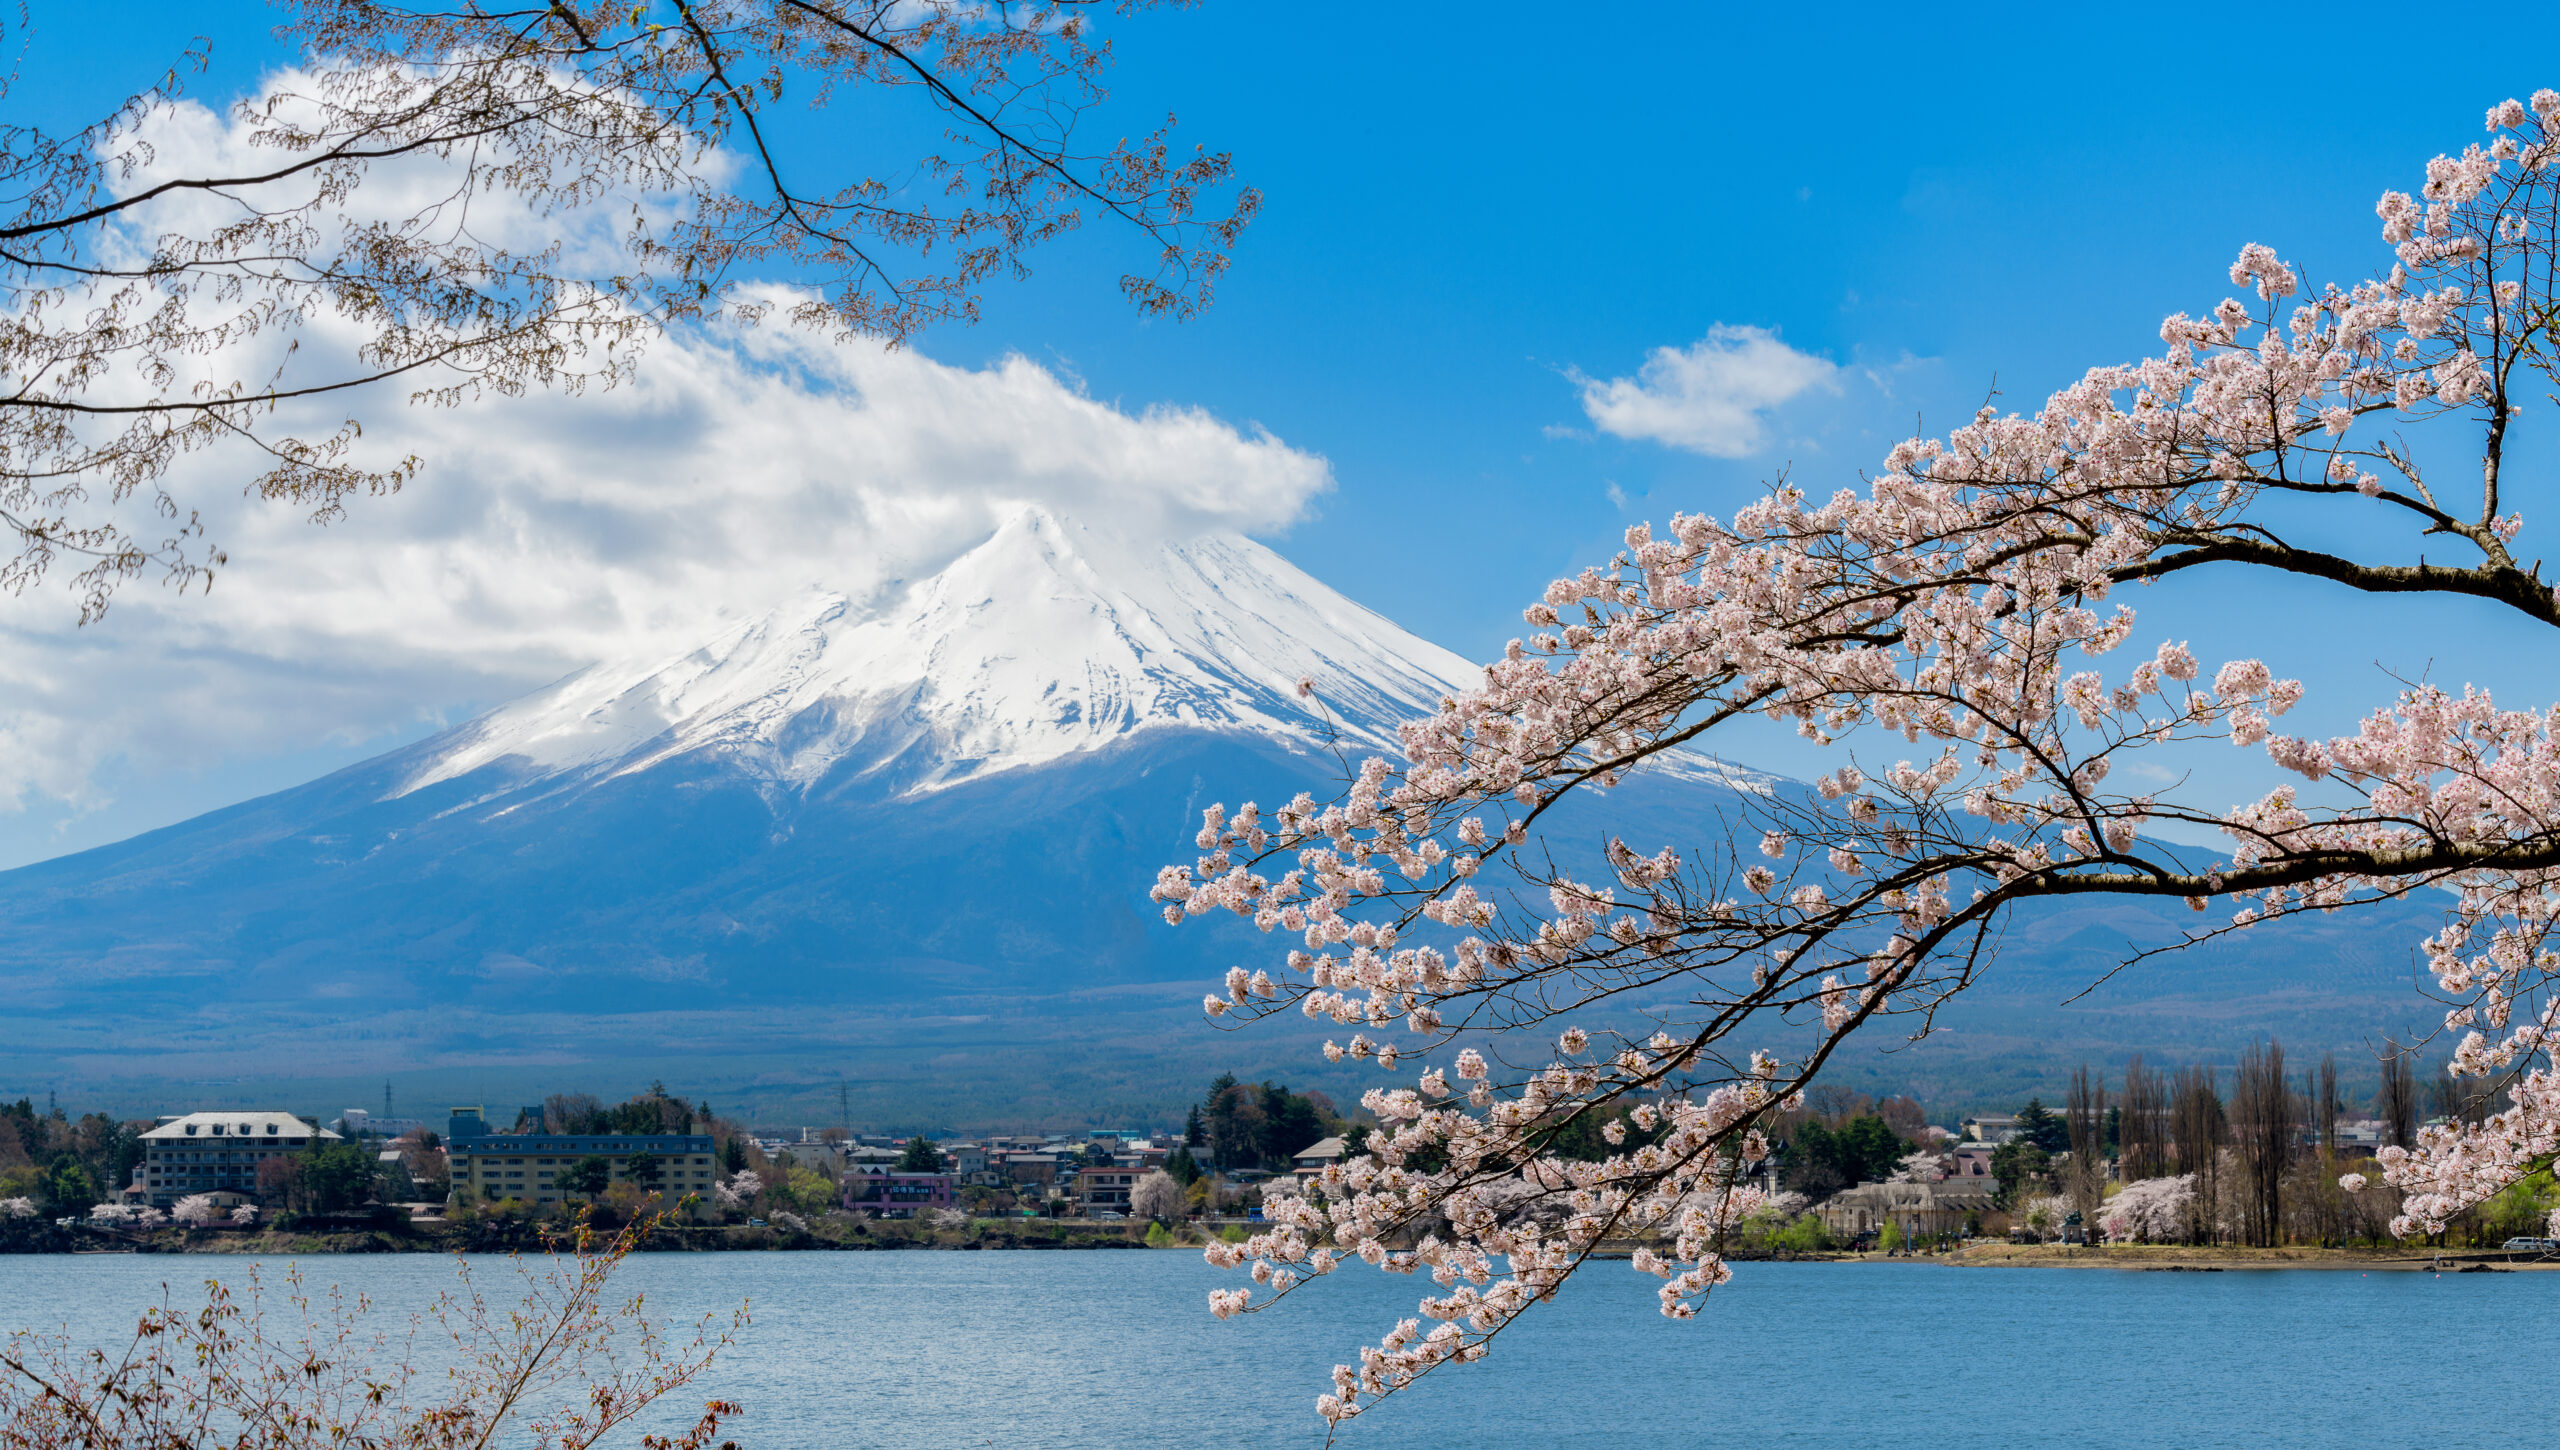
198	1210
1959	627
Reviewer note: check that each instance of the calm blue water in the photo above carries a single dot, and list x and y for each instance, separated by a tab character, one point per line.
1051	1350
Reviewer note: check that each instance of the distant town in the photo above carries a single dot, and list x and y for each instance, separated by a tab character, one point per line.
2164	1159
572	1156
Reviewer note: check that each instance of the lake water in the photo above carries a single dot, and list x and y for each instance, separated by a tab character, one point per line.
1087	1350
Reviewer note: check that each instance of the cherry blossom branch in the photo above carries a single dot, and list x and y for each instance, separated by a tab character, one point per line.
1958	606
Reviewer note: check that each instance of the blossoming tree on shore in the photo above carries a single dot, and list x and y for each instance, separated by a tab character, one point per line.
199	1210
1966	611
2151	1210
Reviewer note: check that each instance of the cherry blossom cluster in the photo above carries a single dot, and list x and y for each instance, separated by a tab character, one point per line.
2455	781
738	1190
2150	1210
1467	1195
199	1210
2454	1166
1965	612
121	1215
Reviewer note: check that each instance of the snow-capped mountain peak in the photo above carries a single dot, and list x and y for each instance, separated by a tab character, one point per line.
1048	638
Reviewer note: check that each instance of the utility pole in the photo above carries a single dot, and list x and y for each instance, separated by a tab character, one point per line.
844	1107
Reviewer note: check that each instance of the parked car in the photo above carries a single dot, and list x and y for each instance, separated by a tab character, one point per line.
2532	1246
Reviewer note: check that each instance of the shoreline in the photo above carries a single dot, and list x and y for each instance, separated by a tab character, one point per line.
2194	1258
434	1236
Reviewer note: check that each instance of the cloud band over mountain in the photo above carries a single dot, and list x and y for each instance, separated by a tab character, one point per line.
548	533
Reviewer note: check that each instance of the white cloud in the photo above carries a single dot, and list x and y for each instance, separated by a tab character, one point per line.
550	532
1712	397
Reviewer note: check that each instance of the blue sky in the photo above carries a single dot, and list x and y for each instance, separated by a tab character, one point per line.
1470	207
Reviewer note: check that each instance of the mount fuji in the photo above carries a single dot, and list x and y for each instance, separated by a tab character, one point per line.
826	840
1045	641
885	854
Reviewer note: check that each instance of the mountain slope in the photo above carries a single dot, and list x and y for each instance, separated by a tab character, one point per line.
805	789
1046	640
940	803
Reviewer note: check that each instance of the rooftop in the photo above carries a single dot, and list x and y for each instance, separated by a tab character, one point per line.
1323	1150
236	1124
615	1143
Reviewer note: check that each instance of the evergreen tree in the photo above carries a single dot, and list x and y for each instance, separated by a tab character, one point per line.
1184	1168
590	1176
1820	1162
1290	1125
2043	1128
921	1156
1869	1149
336	1176
1227	1116
1579	1137
71	1188
1263	1125
2018	1166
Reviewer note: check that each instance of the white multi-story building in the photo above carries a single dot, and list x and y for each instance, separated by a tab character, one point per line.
218	1152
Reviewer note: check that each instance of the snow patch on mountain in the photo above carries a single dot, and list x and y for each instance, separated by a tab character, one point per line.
1048	639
